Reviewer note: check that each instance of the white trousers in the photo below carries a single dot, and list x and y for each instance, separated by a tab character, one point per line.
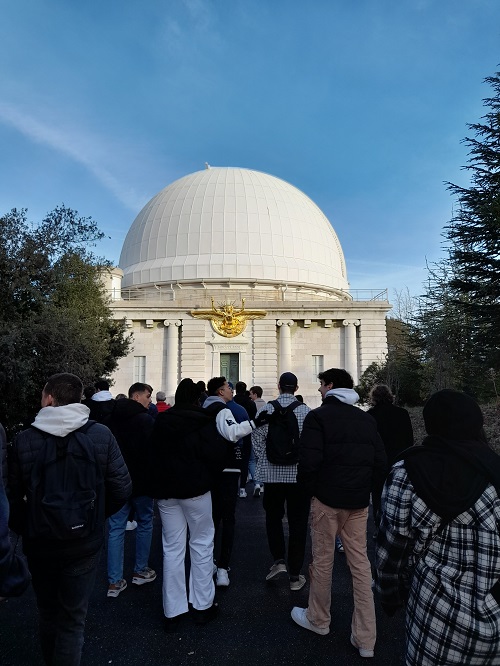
176	516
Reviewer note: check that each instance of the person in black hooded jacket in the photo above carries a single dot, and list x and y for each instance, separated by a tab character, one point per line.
186	452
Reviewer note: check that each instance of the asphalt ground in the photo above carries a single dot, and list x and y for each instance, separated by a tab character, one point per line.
253	627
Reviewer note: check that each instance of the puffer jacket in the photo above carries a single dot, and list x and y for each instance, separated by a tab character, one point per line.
187	452
25	450
342	456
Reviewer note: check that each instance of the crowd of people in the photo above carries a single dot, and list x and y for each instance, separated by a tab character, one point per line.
436	506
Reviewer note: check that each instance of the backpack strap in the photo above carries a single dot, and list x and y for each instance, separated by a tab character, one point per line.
278	407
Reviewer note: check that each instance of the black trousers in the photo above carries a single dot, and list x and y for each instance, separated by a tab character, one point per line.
62	589
278	499
224	498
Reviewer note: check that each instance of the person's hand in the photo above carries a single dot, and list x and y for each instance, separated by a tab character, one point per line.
261	419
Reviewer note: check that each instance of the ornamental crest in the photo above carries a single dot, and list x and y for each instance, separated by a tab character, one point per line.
227	320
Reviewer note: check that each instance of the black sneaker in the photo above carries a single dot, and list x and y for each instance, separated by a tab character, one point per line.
171	624
202	617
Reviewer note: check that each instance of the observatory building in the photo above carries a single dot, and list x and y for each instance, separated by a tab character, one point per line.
234	272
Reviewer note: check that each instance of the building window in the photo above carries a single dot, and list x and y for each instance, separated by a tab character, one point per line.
230	367
317	366
139	369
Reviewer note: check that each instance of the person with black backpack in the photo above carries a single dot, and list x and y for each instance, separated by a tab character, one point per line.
277	448
66	475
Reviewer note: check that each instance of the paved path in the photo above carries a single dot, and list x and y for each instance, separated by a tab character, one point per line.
253	629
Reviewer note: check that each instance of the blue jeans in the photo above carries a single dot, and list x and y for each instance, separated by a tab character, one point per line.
62	591
252	466
143	507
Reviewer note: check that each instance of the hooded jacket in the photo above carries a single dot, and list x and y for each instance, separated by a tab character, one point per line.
61	421
186	451
438	545
341	456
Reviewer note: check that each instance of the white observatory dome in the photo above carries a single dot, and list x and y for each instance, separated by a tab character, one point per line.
232	224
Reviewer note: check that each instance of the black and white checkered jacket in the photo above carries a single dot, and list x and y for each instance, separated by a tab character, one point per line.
448	575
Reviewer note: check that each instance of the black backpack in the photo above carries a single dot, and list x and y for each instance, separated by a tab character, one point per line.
66	497
282	443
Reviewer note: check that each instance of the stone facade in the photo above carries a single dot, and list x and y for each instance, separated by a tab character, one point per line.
306	337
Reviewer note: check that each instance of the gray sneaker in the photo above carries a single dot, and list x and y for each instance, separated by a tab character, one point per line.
297	582
114	589
147	575
277	569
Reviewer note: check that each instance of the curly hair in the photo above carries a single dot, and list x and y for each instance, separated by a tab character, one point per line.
381	394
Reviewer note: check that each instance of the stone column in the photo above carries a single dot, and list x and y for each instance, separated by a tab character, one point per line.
172	355
350	347
285	345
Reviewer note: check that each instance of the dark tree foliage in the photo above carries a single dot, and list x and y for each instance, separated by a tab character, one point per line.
474	238
401	370
54	314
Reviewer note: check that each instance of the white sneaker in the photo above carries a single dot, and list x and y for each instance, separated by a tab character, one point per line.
243	492
257	490
299	616
131	525
362	651
222	578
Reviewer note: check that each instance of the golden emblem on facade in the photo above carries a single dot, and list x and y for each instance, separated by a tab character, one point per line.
227	320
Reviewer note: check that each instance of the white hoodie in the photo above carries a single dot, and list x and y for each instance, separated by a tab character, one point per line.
349	396
102	396
60	421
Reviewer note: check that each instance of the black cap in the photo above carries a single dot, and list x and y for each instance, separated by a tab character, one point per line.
288	380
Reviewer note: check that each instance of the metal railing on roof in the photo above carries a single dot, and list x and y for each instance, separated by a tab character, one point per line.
170	295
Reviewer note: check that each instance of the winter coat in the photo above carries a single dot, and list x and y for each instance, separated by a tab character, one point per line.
132	426
245	401
186	452
59	422
14	575
394	426
438	547
341	456
100	409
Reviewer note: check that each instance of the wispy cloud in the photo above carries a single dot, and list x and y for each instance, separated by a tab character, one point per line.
83	148
192	30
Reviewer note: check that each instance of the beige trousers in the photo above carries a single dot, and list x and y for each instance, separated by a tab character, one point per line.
326	523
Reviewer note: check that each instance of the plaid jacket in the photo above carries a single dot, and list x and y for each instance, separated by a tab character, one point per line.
267	472
451	617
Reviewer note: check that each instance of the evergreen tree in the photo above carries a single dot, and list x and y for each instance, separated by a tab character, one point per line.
401	369
54	314
474	242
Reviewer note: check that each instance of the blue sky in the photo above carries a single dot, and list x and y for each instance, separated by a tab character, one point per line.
361	104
